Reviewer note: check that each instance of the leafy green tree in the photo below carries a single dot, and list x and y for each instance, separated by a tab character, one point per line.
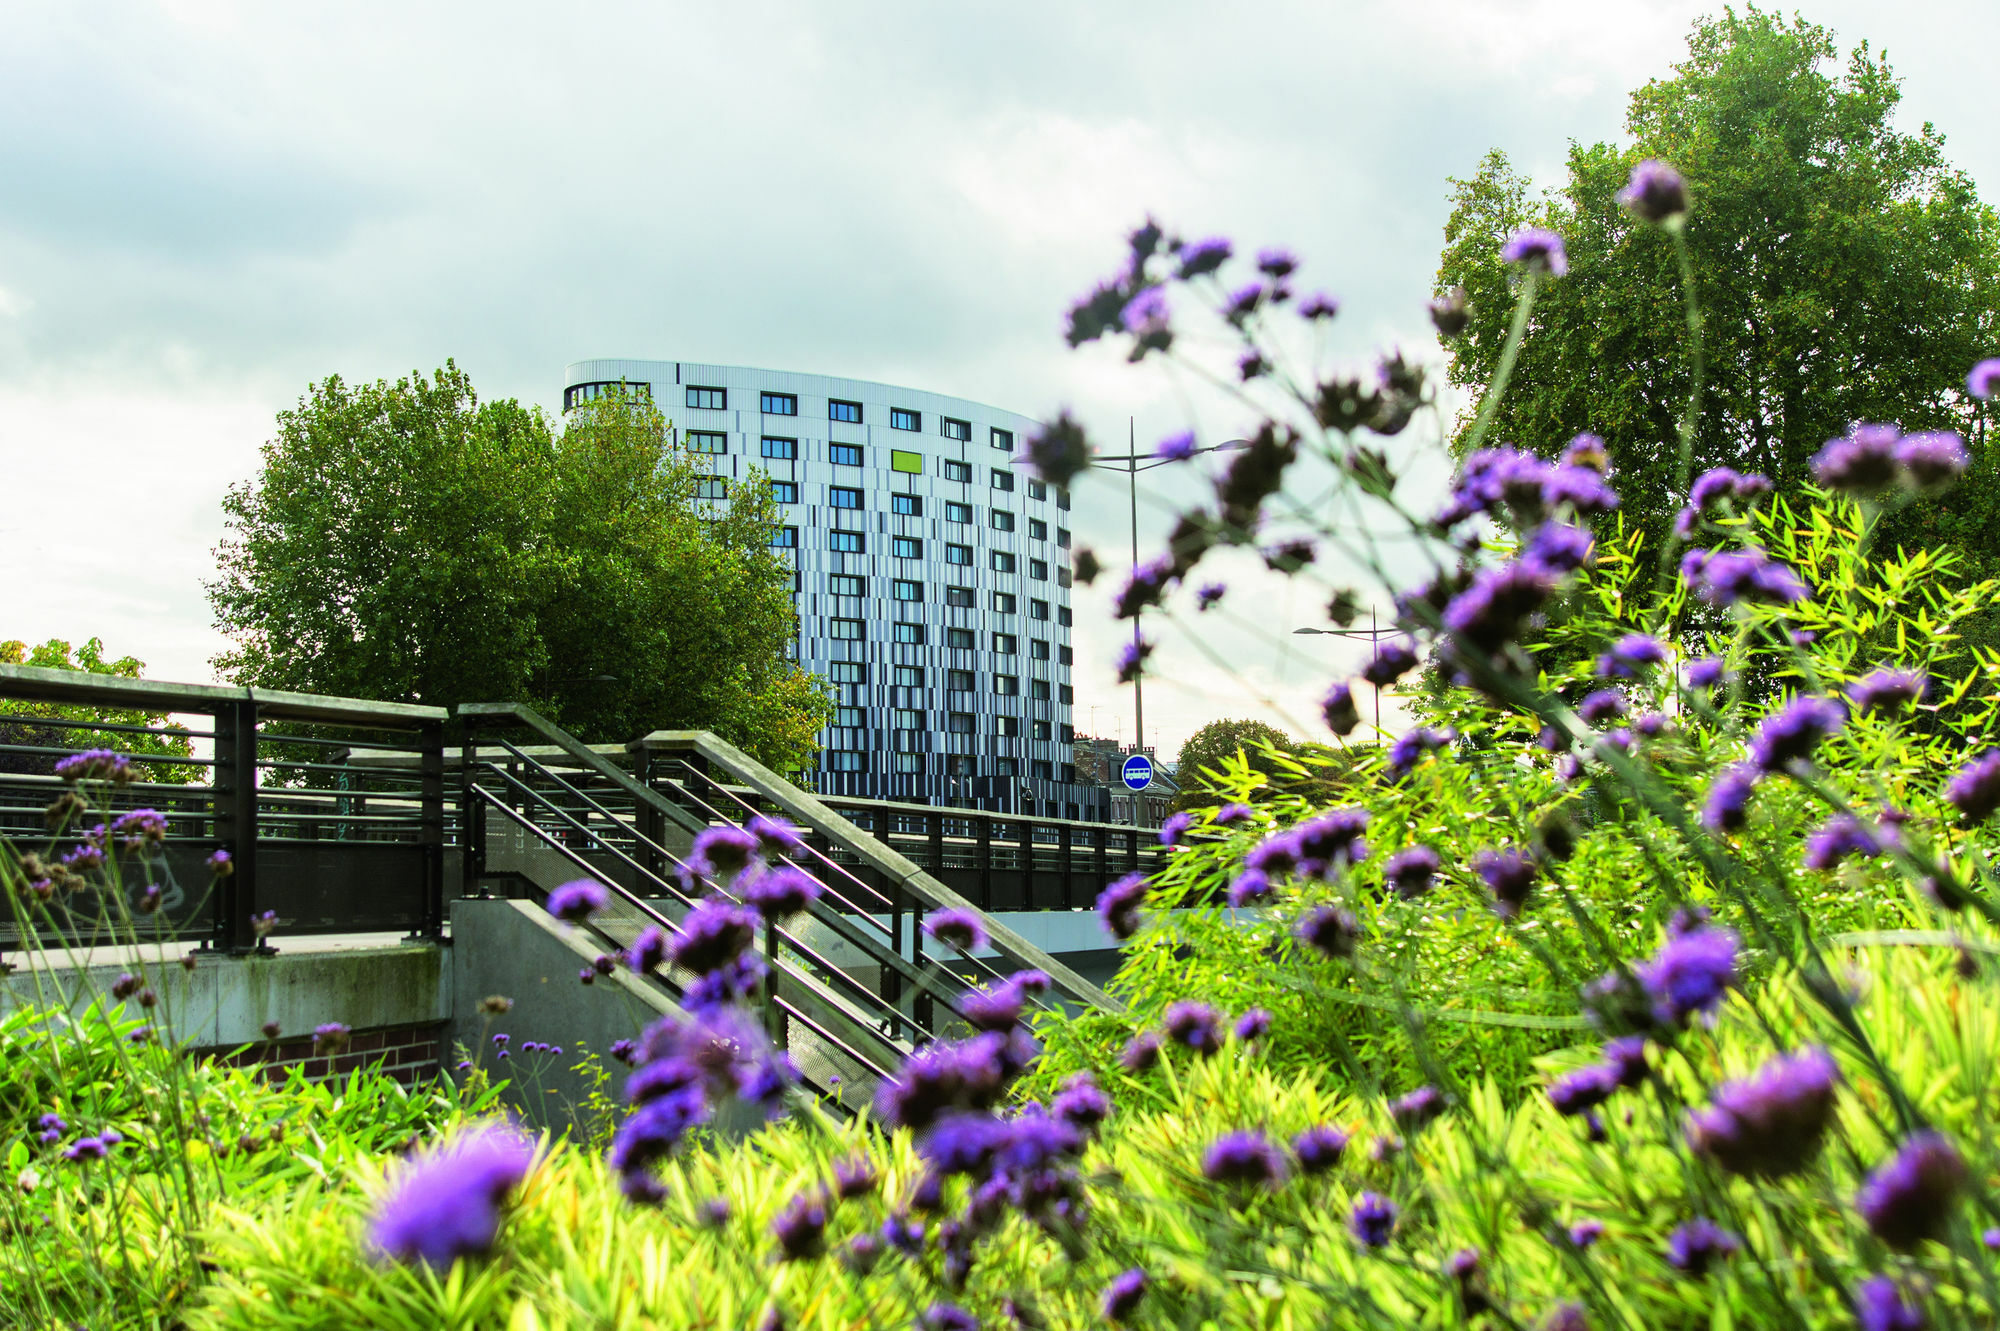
56	726
1218	743
1846	271
409	542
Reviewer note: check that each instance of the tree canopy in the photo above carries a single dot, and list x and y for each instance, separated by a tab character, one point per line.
59	726
1215	744
1846	271
409	542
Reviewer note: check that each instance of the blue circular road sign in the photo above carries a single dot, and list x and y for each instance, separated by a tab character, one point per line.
1137	773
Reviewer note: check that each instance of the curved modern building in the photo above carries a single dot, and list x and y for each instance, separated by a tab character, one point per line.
932	575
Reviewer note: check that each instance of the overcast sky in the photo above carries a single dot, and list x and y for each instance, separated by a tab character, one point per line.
203	208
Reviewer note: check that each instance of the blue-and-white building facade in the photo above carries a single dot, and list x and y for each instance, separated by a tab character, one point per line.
932	575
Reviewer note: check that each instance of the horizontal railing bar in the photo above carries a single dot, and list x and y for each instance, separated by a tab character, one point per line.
111	727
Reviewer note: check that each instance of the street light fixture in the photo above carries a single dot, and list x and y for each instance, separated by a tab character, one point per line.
1372	633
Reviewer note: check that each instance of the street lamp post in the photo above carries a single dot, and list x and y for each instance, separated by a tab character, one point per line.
1372	633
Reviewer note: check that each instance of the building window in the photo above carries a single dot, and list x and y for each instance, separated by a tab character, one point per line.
957	512
1037	530
844	455
847	672
786	449
1003	603
1065	695
844	630
906	547
1062	576
781	404
1003	481
785	538
958	596
909	677
1038	648
1002	562
957	554
958	681
908	762
785	492
1068	734
1037	490
1039	730
1038	569
958	639
836	410
1062	537
850	718
707	441
1043	770
1062	615
908	506
907	719
1006	644
1003	439
909	633
1062	500
1007	727
1038	689
951	429
1038	609
1063	656
1006	767
1002	520
960	764
847	542
708	399
843	496
711	487
846	584
905	590
909	463
1007	686
958	723
846	760
901	419
590	392
956	471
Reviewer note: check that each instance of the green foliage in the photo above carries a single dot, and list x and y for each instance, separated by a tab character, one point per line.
409	542
55	726
1206	752
1846	273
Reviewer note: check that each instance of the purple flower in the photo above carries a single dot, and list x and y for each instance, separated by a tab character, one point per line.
1203	257
1836	839
1403	754
1975	790
1625	1058
263	923
1690	973
1771	1123
1392	660
1791	733
1698	1244
1601	706
947	1317
1583	1090
800	1229
1585	1233
1931	461
1879	1305
1491	612
624	1050
712	935
1415	1111
1122	1295
1557	548
1243	302
578	900
1984	380
1276	262
903	1234
1243	1157
1705	673
1231	814
1254	1024
445	1204
722	852
1058	452
1332	931
959	928
781	893
126	985
1339	711
1196	1025
1252	887
330	1037
1323	843
1629	655
86	1149
1319	1149
648	950
1318	306
1727	808
1081	1102
220	863
1655	193
135	827
1146	314
1176	447
1412	870
1909	1199
1209	594
1131	659
1722	578
1175	827
1145	587
1509	875
95	765
1887	690
1140	1053
150	898
1118	905
1862	462
776	838
1373	1220
1567	1317
944	1077
1536	247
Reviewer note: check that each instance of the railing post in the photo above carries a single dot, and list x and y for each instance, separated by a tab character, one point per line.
774	1016
652	822
1100	844
1027	827
471	819
1066	839
985	898
236	823
1132	850
892	979
934	827
431	768
921	1010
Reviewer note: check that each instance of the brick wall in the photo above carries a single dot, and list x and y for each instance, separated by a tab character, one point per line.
407	1053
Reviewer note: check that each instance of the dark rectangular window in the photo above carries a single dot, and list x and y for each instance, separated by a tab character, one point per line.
1003	439
906	718
785	538
908	633
707	441
958	723
957	512
958	681
909	677
958	639
1062	500
909	506
1037	490
1006	767
847	542
1062	537
1068	734
904	590
1007	686
847	672
1064	657
844	630
1003	603
785	492
846	584
1007	727
902	419
1042	769
842	496
1006	644
1038	610
711	487
958	596
957	554
1003	481
956	471
1002	520
1038	730
908	762
1037	530
1062	615
846	760
781	404
1038	569
1065	695
906	547
1038	648
1002	562
1038	689
850	718
844	455
951	429
708	399
836	410
787	449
